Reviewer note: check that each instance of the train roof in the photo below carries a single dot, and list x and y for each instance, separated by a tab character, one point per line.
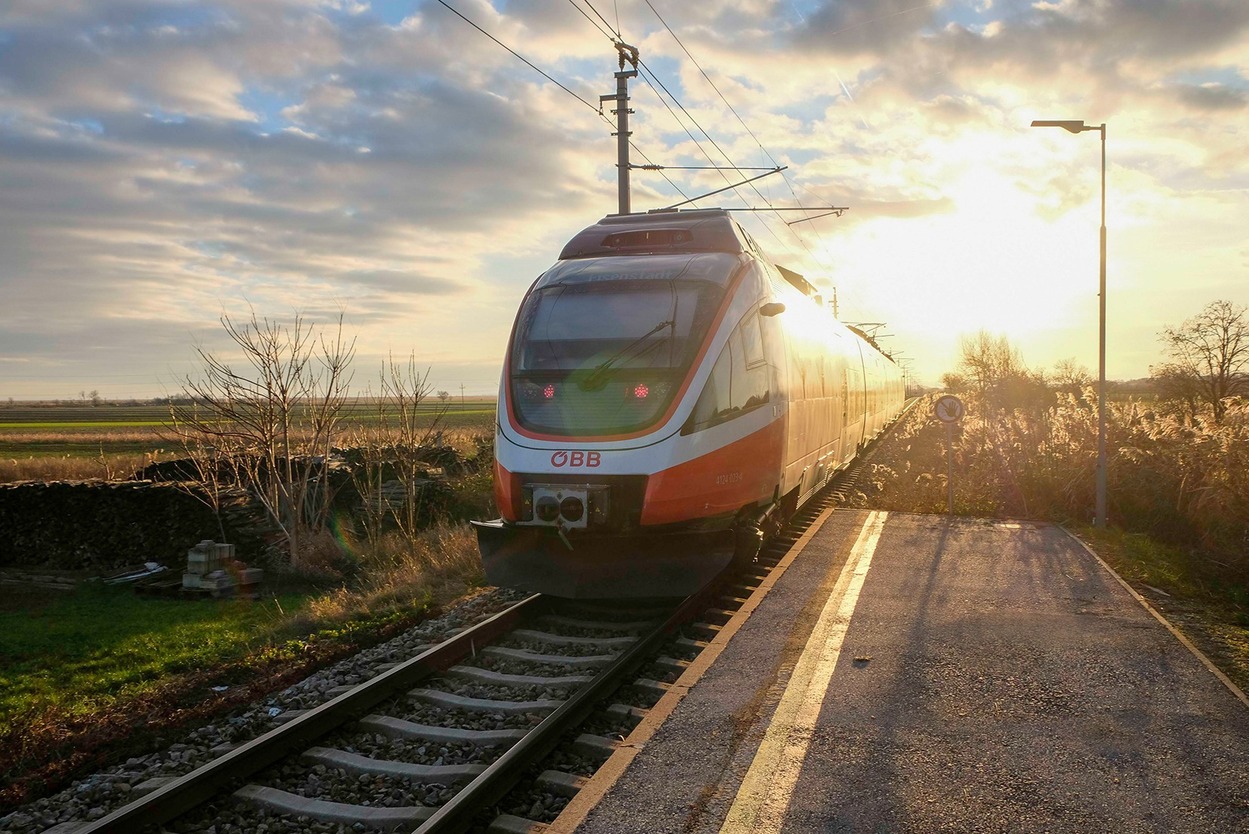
700	230
672	232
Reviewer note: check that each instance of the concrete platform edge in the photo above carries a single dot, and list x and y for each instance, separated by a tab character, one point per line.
1157	615
614	768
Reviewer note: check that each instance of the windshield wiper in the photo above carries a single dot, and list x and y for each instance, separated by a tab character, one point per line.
598	377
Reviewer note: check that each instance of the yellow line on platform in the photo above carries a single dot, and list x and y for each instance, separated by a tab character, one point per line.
763	798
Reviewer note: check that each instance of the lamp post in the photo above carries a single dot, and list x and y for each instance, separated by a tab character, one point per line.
1080	127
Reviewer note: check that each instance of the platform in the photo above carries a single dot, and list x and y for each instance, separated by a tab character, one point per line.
912	674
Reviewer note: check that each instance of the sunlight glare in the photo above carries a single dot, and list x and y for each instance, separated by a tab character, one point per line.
993	263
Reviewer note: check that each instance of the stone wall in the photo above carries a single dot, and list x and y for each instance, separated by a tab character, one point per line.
105	525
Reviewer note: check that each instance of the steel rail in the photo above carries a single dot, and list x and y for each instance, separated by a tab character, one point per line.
489	787
496	780
207	781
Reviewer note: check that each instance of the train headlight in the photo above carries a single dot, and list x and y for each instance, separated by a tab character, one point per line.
547	508
572	508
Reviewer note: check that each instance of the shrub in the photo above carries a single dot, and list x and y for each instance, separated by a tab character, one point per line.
1182	482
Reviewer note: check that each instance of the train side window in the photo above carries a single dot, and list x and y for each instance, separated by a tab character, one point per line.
734	386
714	403
752	341
750	382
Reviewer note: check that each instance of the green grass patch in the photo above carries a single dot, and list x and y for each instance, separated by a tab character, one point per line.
99	674
1183	573
74	652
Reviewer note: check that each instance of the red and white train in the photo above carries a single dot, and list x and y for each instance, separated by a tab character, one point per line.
668	397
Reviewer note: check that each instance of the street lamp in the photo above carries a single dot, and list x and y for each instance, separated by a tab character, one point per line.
1080	127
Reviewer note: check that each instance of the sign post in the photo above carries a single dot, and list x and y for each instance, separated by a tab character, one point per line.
949	409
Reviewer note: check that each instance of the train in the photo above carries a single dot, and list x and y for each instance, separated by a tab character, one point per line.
669	397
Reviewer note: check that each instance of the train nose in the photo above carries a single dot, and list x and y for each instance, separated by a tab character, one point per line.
547	508
571	508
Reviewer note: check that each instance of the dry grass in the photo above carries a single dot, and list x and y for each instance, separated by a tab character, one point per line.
438	564
99	435
45	456
66	467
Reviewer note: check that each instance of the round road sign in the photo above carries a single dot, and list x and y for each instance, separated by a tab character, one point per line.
949	409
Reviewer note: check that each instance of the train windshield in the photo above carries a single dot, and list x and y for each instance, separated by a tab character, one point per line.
602	346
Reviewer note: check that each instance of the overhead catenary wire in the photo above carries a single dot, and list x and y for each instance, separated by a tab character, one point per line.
649	76
614	35
772	159
739	118
656	85
724	99
614	30
729	105
609	33
547	76
522	58
652	80
706	77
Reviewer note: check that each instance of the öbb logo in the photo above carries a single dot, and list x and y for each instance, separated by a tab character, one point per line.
564	458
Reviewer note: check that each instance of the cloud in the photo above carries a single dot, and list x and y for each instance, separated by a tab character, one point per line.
1211	97
161	162
842	27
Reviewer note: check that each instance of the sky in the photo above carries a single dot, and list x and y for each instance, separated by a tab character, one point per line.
164	163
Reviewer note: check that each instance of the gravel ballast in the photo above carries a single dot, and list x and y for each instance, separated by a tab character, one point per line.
95	796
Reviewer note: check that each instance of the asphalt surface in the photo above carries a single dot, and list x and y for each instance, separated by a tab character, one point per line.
993	678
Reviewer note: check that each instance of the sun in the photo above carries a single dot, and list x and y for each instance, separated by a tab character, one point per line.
992	263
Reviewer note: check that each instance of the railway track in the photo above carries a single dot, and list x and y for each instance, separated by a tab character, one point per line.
429	743
494	698
512	713
549	789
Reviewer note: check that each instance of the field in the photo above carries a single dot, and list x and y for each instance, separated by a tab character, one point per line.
51	442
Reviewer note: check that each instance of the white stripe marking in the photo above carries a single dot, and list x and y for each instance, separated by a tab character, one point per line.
763	798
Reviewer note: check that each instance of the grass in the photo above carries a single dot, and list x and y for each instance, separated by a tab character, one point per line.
73	652
97	674
63	466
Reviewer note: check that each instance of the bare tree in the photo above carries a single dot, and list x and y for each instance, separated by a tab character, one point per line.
992	370
1069	377
271	421
393	450
1207	357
